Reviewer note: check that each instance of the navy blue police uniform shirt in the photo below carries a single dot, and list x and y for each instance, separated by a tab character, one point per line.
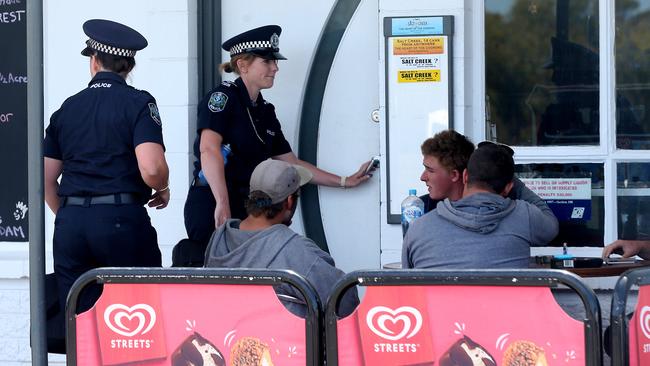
252	139
95	133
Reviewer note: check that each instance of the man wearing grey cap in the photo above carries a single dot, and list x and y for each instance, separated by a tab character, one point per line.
264	240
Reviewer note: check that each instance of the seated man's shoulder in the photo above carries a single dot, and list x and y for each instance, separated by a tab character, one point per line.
425	221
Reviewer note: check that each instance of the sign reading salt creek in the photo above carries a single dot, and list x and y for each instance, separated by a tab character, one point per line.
569	198
418	83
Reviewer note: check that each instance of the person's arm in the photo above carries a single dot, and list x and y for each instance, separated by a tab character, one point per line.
543	226
519	191
52	171
323	275
628	248
154	172
214	172
321	177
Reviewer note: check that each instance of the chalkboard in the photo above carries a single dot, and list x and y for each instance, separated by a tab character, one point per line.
13	121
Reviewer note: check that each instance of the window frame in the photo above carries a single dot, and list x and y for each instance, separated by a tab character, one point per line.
605	153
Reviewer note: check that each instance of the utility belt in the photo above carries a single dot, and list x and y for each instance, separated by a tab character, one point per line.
197	182
108	199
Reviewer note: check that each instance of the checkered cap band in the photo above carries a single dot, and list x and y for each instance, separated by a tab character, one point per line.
111	50
242	47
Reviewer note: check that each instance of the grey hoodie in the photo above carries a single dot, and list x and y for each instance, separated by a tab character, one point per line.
483	230
278	247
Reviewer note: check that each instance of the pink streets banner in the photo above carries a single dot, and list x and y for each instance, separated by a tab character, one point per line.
639	332
460	325
181	324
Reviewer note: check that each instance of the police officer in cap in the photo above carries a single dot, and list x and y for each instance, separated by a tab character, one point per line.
236	130
106	143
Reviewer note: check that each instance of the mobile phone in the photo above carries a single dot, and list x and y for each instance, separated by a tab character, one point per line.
374	164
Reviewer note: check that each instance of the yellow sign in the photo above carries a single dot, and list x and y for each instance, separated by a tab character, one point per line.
417	76
418	46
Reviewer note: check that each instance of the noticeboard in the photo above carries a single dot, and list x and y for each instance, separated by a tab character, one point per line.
418	77
13	121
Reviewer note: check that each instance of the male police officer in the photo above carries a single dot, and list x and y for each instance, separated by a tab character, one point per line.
106	142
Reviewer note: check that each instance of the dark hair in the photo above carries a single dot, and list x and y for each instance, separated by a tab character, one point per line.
451	148
490	167
259	203
118	64
506	147
231	66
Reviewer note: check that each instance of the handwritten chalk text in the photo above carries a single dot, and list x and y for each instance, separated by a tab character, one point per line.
12	231
12	79
6	117
12	16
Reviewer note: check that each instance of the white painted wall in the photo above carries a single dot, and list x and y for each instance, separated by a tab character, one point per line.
391	235
167	68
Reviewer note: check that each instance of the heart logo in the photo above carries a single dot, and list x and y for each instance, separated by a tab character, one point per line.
383	321
644	319
129	321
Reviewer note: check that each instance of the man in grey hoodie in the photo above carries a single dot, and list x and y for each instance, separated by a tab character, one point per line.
484	229
264	240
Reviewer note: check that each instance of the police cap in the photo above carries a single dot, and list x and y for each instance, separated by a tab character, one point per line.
112	38
263	42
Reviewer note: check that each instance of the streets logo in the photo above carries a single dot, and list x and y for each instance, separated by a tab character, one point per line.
394	325
129	322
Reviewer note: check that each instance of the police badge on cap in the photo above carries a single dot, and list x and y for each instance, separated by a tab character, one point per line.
112	38
263	42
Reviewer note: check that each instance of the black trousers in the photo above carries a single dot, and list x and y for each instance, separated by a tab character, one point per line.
101	236
199	212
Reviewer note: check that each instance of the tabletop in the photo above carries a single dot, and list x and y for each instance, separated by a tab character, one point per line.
605	270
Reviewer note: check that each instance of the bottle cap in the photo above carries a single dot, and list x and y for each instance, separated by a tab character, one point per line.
412	192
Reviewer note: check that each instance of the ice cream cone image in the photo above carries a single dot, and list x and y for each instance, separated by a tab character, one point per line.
250	351
524	353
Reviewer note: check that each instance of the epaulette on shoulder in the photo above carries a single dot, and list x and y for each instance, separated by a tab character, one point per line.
228	83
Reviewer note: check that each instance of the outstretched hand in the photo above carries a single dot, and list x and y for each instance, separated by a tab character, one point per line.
360	176
628	248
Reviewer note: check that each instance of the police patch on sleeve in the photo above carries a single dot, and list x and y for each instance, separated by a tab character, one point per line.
155	115
217	101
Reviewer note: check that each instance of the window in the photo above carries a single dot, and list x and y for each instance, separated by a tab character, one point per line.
578	207
542	72
633	183
632	50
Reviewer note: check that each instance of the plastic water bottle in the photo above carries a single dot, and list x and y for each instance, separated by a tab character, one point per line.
225	151
412	208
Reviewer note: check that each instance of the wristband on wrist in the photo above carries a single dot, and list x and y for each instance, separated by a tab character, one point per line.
343	179
164	189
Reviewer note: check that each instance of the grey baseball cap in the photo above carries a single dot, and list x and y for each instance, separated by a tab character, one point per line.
278	179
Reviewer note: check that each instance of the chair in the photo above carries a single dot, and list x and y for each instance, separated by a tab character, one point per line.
458	317
630	336
183	316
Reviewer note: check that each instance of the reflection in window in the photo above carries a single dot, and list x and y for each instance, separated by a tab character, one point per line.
542	72
633	183
580	208
632	49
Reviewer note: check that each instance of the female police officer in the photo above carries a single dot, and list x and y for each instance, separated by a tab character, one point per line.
238	129
107	143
